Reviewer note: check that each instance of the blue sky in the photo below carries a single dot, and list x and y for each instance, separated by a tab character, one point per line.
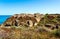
9	7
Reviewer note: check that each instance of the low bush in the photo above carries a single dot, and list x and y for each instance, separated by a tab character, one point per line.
56	33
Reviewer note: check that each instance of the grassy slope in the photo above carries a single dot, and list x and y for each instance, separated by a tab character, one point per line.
35	32
25	33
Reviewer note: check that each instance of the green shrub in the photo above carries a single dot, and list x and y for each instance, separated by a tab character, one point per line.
56	33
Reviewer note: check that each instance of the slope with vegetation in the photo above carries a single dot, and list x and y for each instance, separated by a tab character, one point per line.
47	28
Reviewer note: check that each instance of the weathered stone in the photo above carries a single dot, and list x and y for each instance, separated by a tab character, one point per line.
23	19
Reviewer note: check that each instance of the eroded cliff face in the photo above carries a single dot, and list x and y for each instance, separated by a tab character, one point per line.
23	19
49	21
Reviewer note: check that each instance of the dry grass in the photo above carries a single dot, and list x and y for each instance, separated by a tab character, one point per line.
25	33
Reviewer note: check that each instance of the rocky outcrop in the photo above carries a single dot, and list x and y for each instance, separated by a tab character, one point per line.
23	19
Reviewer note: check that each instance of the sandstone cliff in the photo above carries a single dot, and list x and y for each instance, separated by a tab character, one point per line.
48	27
23	19
50	21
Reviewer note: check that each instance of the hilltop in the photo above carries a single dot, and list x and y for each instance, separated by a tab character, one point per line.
51	21
31	26
23	19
